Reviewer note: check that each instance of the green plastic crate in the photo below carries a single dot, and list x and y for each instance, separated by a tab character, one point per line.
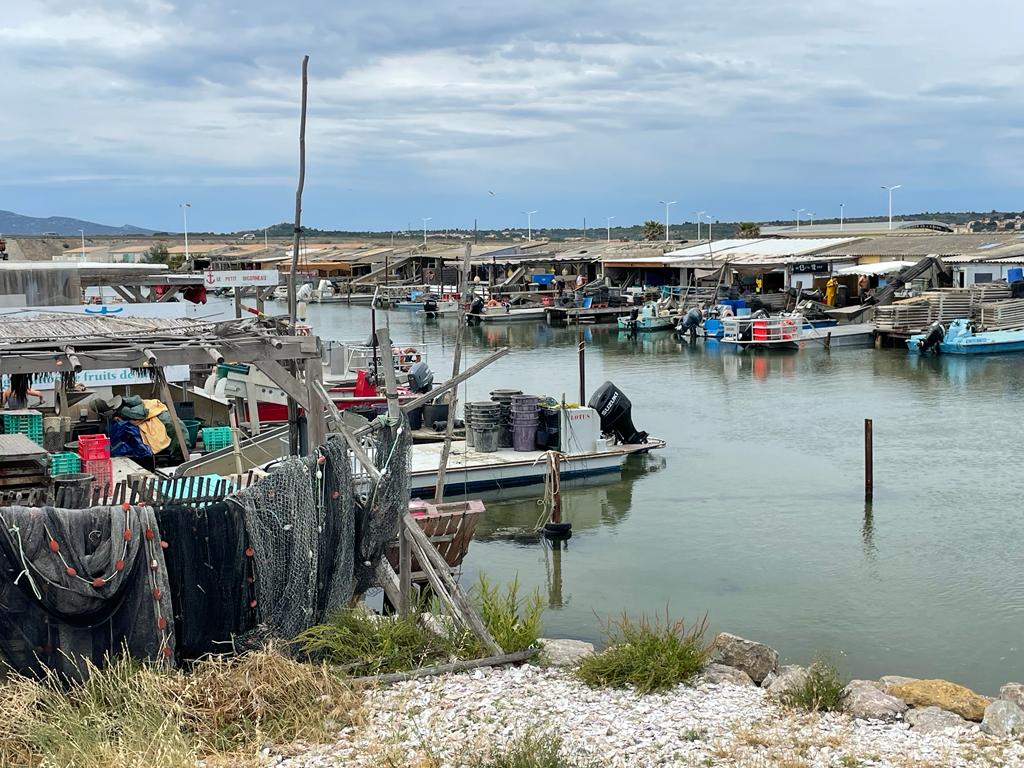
28	424
216	438
65	463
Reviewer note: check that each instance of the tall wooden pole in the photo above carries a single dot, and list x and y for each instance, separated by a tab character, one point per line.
453	401
869	461
582	347
293	408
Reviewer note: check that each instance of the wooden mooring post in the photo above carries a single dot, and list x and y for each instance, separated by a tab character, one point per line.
869	461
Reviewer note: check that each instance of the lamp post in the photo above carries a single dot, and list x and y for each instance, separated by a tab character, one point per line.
699	214
266	240
890	191
529	225
184	213
83	243
798	211
841	211
810	216
666	203
425	220
608	224
710	238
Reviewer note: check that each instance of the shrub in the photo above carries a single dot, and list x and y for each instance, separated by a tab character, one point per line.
821	692
532	750
650	655
514	622
367	644
128	714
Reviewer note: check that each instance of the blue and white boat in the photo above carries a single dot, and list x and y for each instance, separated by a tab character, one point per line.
960	338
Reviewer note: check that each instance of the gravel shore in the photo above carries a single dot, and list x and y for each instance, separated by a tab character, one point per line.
447	718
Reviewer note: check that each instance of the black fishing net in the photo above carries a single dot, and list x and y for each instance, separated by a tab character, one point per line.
317	533
80	585
211	578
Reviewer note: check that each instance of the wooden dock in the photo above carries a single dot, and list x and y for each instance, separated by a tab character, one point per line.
592	316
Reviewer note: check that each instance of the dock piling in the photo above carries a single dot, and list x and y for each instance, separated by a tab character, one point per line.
869	461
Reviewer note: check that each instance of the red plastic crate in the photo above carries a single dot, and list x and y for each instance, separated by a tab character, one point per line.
102	471
93	447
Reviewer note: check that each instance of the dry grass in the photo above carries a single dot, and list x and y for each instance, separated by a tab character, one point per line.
128	715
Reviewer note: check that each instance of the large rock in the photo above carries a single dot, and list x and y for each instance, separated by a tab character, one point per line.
945	695
891	681
565	653
718	674
1013	692
756	659
1003	718
865	700
788	679
933	719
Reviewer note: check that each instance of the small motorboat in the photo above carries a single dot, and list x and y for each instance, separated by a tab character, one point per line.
961	338
650	317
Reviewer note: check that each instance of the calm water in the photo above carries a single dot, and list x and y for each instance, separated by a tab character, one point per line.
754	513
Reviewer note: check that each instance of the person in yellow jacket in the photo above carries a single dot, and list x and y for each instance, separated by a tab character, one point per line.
830	291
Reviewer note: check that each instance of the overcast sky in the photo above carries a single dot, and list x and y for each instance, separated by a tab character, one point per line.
117	110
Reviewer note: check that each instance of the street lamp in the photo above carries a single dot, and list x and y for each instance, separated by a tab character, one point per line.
608	224
842	206
798	211
529	225
699	214
425	220
83	243
184	212
266	240
666	204
890	191
810	216
710	238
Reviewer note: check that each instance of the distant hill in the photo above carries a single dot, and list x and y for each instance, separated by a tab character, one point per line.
16	224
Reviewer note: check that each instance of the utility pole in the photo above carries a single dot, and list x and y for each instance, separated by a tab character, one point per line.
293	407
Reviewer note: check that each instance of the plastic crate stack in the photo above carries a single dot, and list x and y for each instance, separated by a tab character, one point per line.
216	438
65	464
28	423
94	452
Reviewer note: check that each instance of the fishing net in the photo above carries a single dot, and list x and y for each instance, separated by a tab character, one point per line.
316	531
81	584
210	576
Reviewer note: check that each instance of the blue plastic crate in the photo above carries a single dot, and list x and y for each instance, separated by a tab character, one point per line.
216	438
65	463
25	423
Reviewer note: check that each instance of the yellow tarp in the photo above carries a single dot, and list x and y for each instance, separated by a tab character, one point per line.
154	433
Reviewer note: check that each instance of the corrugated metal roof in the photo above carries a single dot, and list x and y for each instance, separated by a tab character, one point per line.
747	251
852	228
978	246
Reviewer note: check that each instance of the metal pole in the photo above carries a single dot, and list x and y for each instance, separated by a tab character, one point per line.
184	213
609	224
869	461
841	207
581	345
83	243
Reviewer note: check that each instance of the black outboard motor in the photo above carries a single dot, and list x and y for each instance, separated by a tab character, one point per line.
430	307
691	322
475	310
421	378
932	339
616	414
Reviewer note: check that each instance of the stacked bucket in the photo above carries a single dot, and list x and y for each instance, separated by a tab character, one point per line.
503	397
485	418
525	417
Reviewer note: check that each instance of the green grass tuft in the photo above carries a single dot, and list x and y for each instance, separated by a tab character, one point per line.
367	644
822	692
514	622
531	750
650	655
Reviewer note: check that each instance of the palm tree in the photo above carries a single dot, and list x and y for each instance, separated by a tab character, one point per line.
653	230
748	229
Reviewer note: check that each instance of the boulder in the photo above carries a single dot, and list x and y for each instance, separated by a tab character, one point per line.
865	700
1013	692
889	681
717	674
933	719
768	680
789	678
1003	718
565	653
945	695
756	659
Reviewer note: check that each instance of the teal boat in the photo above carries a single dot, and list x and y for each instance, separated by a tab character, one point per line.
960	338
650	317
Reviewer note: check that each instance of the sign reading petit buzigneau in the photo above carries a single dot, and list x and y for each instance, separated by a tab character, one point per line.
810	267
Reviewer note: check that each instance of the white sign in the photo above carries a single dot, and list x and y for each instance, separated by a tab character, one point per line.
115	377
241	277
